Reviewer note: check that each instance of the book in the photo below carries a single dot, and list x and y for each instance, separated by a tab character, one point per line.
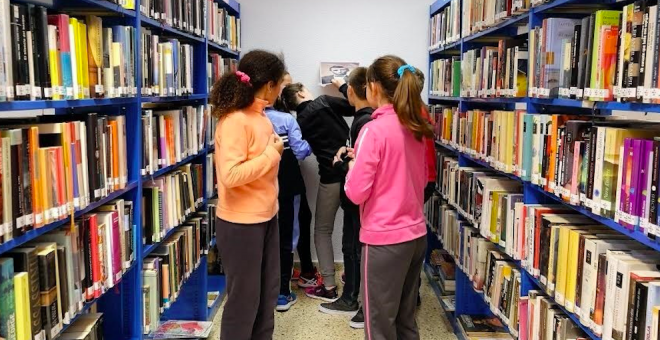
25	260
22	302
174	329
7	302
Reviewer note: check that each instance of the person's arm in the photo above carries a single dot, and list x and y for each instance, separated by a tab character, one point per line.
360	178
231	157
344	90
299	146
340	106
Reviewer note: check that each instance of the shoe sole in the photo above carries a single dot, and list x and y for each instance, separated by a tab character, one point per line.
307	285
286	307
357	325
336	312
321	298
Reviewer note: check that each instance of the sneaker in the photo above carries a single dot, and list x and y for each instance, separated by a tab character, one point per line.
310	281
357	321
284	303
296	275
343	278
321	293
339	307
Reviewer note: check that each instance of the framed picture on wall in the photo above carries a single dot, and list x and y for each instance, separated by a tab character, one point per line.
331	70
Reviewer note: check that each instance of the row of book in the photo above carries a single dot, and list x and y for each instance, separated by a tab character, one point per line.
445	75
445	26
479	15
610	167
169	200
172	135
211	176
167	268
57	57
218	66
50	170
167	66
604	56
495	71
444	268
499	278
184	15
224	28
588	269
44	284
490	271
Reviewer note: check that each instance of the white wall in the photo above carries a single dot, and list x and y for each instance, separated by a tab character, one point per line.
310	31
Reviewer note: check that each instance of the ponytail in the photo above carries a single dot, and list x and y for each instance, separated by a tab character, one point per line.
235	90
402	87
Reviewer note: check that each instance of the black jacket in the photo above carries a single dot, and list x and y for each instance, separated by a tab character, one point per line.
325	129
362	117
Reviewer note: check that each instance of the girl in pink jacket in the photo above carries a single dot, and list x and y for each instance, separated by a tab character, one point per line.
387	179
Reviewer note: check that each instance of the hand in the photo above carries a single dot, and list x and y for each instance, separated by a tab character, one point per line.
338	82
336	160
277	143
350	153
340	152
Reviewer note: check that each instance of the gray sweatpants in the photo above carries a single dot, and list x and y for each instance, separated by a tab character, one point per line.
390	284
250	254
327	204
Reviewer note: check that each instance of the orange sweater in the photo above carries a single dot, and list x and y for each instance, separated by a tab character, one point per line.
246	166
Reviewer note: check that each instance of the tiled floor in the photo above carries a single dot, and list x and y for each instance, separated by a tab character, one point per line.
304	321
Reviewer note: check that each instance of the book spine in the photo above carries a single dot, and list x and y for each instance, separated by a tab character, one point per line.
43	58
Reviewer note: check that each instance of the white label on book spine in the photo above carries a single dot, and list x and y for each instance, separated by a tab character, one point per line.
40	336
575	199
76	202
28	219
628	218
98	89
69	91
605	205
533	91
544	92
564	92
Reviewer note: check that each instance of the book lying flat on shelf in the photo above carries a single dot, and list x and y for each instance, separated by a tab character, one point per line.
175	329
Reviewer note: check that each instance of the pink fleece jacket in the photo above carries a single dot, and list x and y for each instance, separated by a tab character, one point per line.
388	180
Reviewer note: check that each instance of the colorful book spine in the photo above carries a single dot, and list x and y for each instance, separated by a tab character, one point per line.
7	305
61	21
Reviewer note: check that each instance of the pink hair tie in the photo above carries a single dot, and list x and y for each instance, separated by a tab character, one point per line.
243	77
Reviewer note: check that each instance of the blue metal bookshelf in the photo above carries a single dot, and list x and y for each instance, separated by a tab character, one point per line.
467	300
122	306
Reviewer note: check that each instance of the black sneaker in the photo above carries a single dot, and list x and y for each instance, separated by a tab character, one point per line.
339	307
321	293
357	321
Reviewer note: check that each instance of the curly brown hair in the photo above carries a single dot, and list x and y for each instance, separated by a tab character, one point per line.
230	94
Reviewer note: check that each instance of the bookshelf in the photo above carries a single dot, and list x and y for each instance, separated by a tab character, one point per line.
468	301
123	304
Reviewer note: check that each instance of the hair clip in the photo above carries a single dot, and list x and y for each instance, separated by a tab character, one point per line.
243	77
405	67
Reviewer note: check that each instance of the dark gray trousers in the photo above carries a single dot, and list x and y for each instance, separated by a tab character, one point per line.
390	284
250	254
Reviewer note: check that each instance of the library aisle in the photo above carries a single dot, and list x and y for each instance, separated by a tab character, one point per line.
304	321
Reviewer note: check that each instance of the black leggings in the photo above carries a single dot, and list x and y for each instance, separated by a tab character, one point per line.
286	220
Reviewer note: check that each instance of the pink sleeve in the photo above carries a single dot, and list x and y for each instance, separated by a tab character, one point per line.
360	179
